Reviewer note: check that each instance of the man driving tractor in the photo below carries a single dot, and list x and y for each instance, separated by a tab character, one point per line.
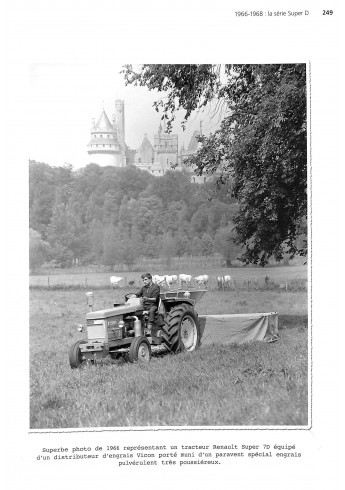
150	296
124	329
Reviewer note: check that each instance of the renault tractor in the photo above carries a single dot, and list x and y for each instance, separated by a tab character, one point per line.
122	329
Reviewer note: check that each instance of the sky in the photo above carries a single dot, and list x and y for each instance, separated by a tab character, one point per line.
63	99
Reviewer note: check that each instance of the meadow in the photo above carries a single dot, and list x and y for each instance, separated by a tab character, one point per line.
256	384
279	275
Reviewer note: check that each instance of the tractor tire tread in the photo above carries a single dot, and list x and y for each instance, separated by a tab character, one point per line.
171	327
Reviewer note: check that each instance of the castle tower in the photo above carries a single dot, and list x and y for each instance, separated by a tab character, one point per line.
107	145
193	147
166	148
145	153
120	123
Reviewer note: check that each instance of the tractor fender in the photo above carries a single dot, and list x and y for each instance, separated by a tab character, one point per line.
171	304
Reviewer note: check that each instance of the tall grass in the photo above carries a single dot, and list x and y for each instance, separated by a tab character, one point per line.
257	384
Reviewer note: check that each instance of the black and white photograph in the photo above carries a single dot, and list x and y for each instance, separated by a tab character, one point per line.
171	266
172	204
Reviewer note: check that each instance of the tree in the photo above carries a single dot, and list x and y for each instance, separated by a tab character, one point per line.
110	208
225	244
44	182
181	244
173	186
124	216
66	235
199	219
260	149
136	239
173	216
168	250
39	250
148	215
195	246
219	214
207	244
128	252
152	246
131	181
111	246
95	240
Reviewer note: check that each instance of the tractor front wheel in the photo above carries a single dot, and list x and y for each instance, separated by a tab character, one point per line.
140	350
182	328
75	357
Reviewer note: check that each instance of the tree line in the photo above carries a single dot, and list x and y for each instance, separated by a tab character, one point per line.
109	215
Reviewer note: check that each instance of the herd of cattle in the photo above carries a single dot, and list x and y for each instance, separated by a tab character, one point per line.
181	280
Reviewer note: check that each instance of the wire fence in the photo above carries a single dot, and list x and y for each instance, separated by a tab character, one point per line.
127	282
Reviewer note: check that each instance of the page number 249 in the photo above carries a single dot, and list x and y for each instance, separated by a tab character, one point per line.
327	12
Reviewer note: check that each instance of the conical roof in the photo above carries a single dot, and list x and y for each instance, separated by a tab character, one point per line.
103	123
146	143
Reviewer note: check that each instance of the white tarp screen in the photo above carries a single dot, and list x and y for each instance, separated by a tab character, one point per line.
238	328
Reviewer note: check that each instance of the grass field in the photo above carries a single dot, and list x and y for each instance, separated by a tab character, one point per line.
240	276
218	385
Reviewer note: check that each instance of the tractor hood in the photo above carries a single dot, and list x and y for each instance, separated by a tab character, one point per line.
118	310
193	295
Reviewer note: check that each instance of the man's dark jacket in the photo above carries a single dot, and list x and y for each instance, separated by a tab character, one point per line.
152	291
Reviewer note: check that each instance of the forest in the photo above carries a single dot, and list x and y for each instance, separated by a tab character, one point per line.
109	215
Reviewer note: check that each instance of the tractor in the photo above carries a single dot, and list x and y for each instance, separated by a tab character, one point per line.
122	330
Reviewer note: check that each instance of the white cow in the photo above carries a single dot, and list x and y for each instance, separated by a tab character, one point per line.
160	280
185	279
223	282
114	280
202	280
170	280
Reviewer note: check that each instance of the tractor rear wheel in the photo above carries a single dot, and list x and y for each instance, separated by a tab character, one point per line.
182	328
140	350
75	357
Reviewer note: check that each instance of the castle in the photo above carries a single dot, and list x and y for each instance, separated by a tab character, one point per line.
107	146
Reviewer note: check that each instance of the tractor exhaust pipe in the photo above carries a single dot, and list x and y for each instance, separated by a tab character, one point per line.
89	299
138	332
137	327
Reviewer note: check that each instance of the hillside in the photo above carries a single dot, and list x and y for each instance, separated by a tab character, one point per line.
109	215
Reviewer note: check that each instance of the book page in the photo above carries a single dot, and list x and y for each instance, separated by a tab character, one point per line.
64	63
